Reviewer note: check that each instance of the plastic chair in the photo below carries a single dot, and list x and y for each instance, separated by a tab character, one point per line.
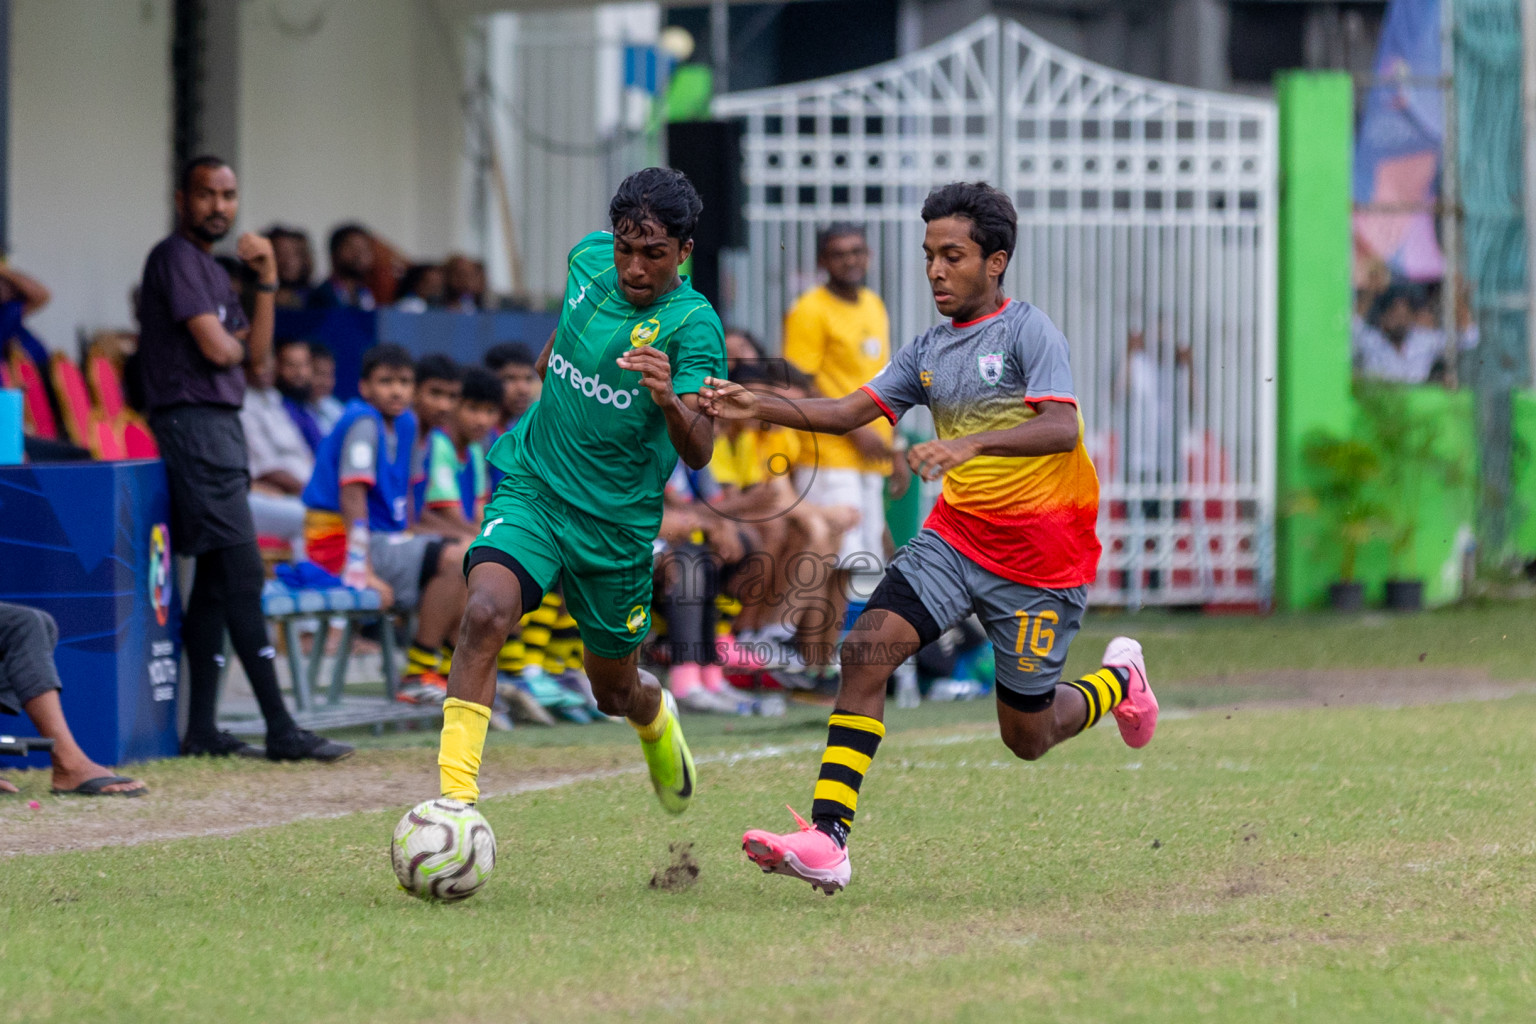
39	414
139	440
106	385
74	401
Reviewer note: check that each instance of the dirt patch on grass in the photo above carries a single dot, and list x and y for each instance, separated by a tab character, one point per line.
1310	688
198	797
681	872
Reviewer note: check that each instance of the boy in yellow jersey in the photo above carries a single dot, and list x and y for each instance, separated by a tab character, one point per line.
1012	540
839	335
581	500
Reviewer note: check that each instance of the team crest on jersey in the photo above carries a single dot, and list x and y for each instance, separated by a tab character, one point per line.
636	619
645	333
991	366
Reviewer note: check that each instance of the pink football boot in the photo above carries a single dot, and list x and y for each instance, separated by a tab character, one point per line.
1137	714
809	855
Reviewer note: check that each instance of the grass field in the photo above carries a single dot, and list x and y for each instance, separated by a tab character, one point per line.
1313	864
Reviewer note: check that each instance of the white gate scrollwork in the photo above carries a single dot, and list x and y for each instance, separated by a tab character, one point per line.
1147	231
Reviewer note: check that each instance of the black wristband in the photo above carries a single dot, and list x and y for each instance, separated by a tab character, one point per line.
267	288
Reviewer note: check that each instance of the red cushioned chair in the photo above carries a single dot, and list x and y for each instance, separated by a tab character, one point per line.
107	442
106	385
39	414
74	402
140	442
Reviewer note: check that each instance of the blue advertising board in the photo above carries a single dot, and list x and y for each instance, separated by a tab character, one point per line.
89	543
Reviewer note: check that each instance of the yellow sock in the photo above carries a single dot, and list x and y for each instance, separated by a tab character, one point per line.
463	741
651	733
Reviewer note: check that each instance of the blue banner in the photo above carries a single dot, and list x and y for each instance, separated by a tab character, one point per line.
89	543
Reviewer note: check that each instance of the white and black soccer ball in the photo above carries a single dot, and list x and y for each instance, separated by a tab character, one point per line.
443	850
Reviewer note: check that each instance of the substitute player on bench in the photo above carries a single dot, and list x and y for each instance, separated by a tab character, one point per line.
1012	538
585	468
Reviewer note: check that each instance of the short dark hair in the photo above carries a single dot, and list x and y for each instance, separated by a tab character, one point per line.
288	342
438	366
386	356
509	353
320	350
660	194
832	232
341	232
197	163
994	223
481	385
277	231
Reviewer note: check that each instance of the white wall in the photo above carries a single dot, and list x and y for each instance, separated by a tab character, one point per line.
349	111
90	145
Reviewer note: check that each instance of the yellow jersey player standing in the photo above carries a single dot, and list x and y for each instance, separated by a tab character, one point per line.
1011	540
839	335
581	499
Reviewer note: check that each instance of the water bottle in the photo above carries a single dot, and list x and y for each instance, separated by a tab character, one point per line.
355	575
907	695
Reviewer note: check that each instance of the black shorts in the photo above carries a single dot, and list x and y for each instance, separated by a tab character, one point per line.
203	447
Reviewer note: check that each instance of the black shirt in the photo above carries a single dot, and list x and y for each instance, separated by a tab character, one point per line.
182	281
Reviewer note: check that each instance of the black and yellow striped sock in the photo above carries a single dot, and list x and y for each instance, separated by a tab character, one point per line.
564	643
445	659
1102	690
420	659
851	744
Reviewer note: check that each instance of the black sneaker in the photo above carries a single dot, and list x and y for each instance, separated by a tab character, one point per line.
303	745
220	744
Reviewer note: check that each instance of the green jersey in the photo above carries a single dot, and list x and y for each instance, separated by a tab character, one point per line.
595	439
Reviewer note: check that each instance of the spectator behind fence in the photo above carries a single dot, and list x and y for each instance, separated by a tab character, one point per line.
29	681
351	250
193	339
521	386
295	266
422	288
280	459
1390	345
358	507
465	280
438	382
323	402
742	347
295	373
456	482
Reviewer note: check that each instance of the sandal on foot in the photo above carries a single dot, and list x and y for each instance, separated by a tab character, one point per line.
98	785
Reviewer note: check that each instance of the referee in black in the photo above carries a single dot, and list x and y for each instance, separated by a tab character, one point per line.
193	338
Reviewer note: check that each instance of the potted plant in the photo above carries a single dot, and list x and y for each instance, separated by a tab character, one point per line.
1344	471
1405	444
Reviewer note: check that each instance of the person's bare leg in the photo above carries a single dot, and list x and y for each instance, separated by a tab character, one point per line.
1030	734
622	689
71	766
442	600
492	607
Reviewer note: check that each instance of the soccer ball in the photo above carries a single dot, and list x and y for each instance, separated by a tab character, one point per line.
443	850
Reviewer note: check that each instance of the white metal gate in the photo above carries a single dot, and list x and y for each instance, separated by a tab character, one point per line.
1147	219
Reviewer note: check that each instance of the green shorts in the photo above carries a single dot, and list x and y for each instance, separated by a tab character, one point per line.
602	568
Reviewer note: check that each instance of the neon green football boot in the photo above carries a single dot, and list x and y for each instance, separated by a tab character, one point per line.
671	764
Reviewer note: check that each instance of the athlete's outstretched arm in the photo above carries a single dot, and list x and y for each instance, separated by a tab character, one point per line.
725	400
1052	431
542	363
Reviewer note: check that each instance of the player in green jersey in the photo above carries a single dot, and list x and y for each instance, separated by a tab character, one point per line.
581	499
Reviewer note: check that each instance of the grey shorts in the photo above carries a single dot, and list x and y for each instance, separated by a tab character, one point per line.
1030	627
27	640
406	561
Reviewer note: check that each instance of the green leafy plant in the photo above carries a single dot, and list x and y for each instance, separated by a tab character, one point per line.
1408	457
1344	472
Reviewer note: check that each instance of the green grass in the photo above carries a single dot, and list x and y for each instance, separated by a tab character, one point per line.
1330	865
